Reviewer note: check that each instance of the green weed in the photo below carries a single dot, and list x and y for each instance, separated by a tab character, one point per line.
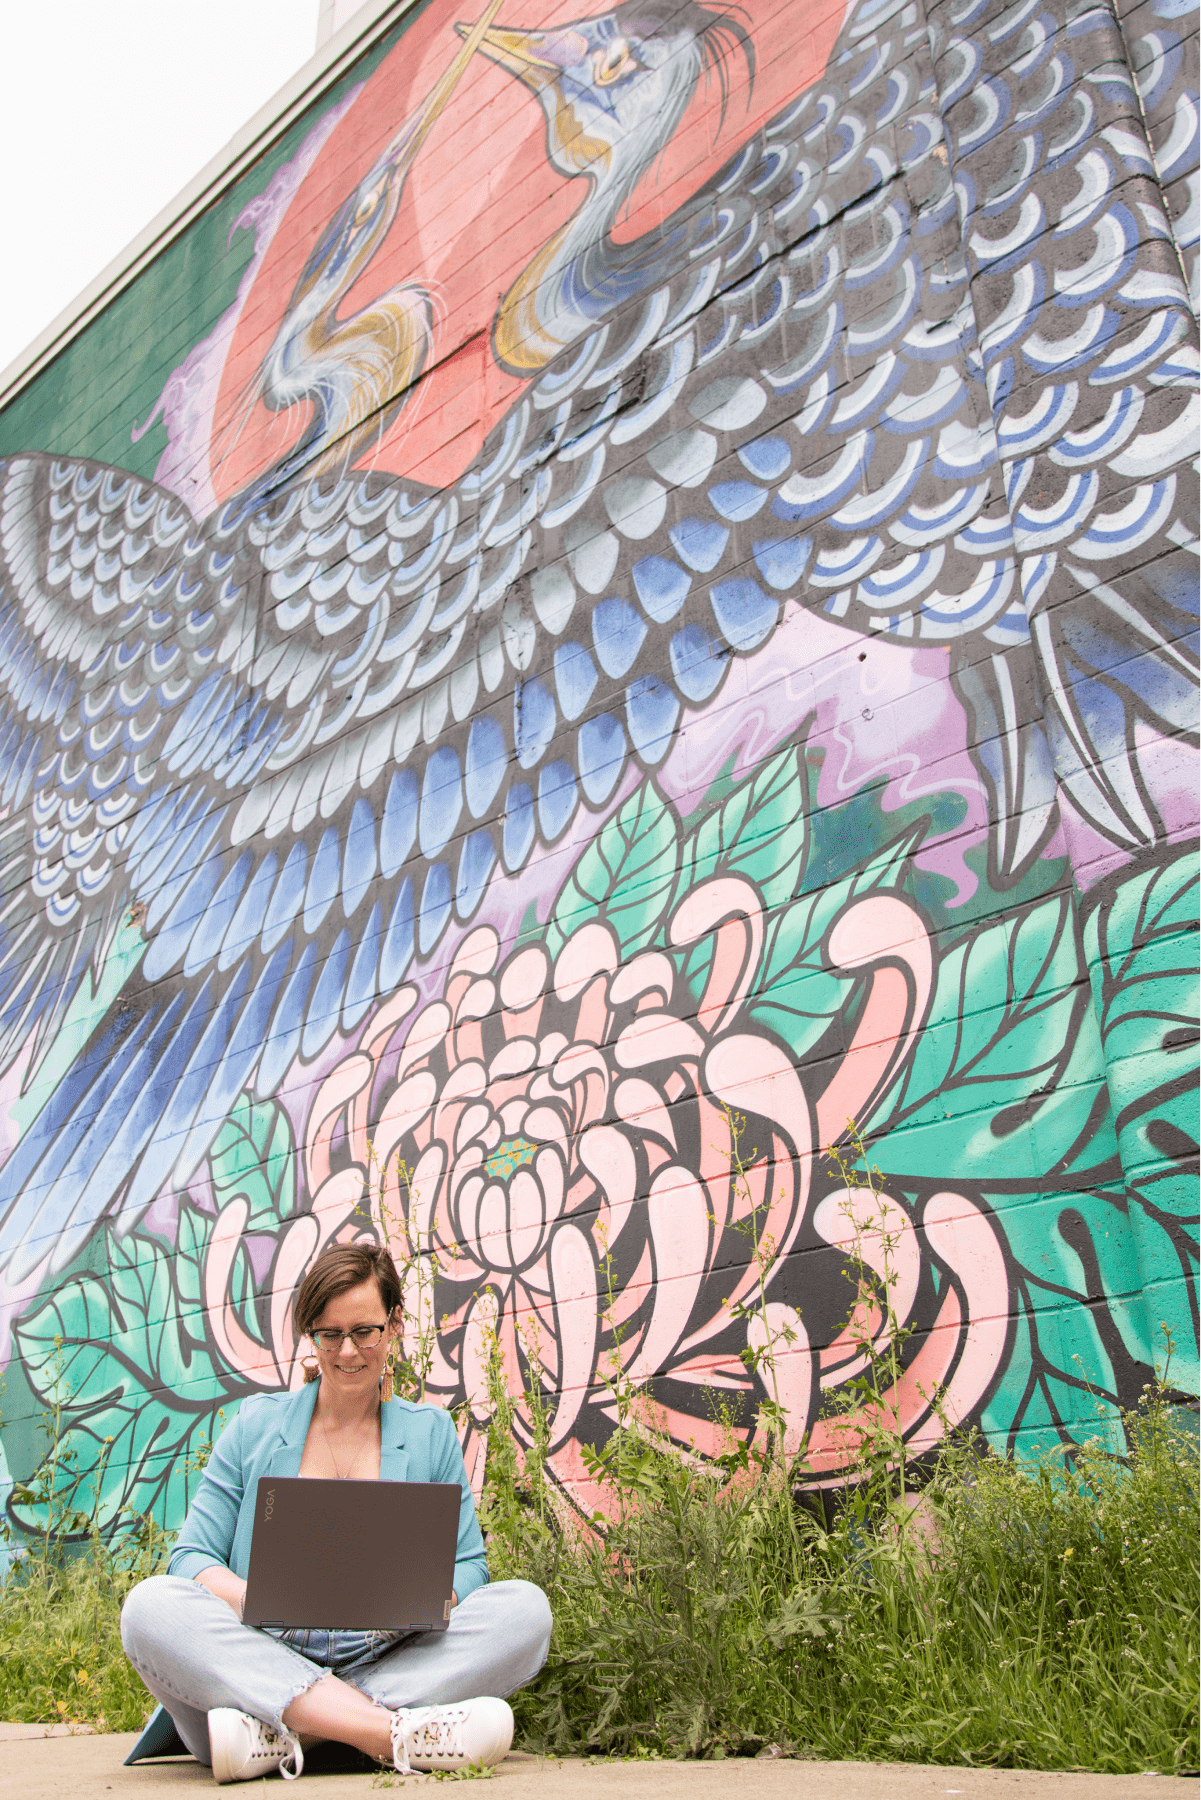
1042	1617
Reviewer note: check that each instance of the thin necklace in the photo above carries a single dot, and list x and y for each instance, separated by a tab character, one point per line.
333	1459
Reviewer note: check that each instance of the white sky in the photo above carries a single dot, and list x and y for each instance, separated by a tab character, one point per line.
108	111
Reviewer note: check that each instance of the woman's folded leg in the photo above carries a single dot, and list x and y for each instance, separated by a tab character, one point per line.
496	1641
193	1654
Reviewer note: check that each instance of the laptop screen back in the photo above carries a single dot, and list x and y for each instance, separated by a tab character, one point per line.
353	1555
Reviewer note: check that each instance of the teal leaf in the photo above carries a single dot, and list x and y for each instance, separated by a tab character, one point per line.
761	832
625	877
118	1357
252	1158
1007	1075
1142	954
800	996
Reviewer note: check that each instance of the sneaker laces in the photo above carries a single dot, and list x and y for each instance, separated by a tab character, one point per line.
426	1730
293	1754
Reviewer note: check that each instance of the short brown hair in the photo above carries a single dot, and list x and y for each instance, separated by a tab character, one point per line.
339	1268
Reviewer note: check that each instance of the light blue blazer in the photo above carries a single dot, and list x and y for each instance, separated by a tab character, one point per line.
267	1438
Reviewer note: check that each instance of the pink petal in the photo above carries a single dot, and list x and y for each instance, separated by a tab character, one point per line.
336	1200
641	1106
427	1031
298	1245
575	1060
962	1235
678	1215
425	1195
855	1219
466	1203
592	950
881	928
478	1337
348	1079
469	1042
545	1125
573	1282
523	979
629	1299
491	1237
465	1082
657	1037
733	905
608	1156
387	1019
512	1115
478	952
788	1374
753	1074
410	1101
517	1057
237	1347
592	1017
473	1123
527	1215
548	1165
651	972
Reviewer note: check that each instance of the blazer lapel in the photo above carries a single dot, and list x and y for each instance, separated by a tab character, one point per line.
283	1457
394	1458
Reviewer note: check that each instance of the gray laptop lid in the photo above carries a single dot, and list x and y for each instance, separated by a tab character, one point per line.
353	1555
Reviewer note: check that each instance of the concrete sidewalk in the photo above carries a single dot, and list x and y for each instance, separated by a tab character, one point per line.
36	1767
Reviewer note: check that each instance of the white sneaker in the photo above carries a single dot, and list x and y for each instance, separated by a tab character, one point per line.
476	1732
243	1748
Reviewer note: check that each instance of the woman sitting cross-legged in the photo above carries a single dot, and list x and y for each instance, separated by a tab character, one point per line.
249	1701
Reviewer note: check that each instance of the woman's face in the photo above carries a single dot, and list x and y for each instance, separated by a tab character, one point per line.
347	1366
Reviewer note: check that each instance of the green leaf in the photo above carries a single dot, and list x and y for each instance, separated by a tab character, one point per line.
116	1355
625	877
800	996
1007	1074
253	1158
761	832
1142	954
1043	1387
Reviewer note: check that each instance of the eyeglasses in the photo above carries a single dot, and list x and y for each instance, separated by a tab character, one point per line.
363	1337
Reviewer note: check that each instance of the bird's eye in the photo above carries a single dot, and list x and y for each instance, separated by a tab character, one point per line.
366	207
617	60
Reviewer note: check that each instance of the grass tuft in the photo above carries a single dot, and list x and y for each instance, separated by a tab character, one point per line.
1025	1617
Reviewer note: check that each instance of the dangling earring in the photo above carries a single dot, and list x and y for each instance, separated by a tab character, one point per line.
385	1386
311	1367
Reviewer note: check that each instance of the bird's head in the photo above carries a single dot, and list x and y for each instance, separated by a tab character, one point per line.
351	237
613	88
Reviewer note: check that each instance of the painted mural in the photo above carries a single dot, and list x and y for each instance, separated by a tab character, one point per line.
657	578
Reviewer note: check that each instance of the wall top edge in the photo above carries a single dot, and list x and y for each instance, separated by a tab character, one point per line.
325	68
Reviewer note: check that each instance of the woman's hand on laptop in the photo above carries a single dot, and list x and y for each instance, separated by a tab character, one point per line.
225	1584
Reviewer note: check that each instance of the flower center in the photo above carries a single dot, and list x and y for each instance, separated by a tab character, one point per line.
510	1155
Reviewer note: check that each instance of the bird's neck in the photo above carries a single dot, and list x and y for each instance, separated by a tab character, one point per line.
582	275
352	373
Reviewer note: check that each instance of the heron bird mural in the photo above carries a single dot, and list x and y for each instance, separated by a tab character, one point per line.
614	90
356	373
258	769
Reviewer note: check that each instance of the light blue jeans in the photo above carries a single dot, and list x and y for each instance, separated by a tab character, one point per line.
194	1654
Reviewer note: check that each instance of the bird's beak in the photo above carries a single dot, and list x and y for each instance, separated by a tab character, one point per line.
404	147
527	54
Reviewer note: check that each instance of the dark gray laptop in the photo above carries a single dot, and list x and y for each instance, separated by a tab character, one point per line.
353	1555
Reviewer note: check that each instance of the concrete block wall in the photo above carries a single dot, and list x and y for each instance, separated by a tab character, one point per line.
633	568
